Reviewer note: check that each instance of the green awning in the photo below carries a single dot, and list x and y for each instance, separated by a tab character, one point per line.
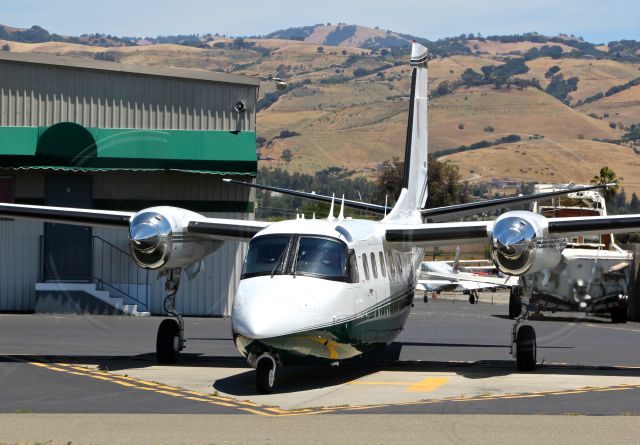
71	147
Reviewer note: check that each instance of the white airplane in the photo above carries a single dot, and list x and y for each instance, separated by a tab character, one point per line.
325	290
440	276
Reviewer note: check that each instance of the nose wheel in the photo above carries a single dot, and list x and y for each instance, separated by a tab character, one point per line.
523	344
168	341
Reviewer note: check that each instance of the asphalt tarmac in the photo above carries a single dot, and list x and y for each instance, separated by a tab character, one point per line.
452	358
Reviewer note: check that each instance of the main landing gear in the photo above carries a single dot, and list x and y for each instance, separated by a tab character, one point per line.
473	296
523	343
170	340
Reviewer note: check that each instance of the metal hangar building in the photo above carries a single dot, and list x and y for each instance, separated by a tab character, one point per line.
97	134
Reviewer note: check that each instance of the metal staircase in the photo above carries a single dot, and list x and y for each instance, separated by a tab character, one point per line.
118	281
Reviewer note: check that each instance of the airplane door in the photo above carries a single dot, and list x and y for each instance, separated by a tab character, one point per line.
67	253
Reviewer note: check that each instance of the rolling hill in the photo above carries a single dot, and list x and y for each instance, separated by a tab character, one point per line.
346	104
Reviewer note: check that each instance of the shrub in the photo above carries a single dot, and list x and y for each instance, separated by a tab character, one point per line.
287	155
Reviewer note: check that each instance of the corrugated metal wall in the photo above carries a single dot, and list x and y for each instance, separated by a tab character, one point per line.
19	264
167	185
41	95
210	293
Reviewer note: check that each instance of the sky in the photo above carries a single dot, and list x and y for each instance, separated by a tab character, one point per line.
596	21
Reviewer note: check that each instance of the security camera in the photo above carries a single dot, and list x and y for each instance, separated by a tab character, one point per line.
239	106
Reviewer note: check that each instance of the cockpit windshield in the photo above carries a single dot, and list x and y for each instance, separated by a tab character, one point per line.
316	256
321	256
265	255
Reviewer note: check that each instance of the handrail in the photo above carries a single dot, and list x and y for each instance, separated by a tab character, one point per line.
117	261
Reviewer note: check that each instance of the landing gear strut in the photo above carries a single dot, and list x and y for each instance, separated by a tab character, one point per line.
515	307
170	340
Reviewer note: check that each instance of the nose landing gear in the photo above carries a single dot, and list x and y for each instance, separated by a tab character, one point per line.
265	374
170	340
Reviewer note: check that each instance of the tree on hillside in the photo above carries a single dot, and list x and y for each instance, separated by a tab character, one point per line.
607	176
287	155
442	182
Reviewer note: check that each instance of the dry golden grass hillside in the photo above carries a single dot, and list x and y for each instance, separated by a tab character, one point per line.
359	122
547	160
623	107
595	76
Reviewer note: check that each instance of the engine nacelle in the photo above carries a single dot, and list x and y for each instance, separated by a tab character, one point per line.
158	239
519	244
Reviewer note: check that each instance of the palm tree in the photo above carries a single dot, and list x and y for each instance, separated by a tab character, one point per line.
607	176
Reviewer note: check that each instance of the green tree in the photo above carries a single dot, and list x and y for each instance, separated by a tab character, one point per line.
442	182
634	204
287	155
607	176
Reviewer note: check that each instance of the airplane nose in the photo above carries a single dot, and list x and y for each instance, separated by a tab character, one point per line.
260	318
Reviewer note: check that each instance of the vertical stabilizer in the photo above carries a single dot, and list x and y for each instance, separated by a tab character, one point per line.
416	149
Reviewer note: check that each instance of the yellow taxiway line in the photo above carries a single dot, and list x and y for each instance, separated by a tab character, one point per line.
428	384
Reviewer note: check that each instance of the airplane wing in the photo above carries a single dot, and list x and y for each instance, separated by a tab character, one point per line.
452	286
373	208
226	229
66	215
436	214
594	225
211	228
447	213
437	234
471	281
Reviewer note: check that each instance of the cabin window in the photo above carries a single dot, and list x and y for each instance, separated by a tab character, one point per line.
374	268
383	269
365	266
265	255
353	276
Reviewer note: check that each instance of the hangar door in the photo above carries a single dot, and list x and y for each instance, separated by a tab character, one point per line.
67	252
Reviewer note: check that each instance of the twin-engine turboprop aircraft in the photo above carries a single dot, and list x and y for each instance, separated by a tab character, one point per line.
325	290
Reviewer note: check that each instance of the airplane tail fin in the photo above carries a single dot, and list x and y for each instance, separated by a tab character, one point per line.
414	194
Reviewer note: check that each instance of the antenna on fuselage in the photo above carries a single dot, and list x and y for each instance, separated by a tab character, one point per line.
341	216
330	217
386	199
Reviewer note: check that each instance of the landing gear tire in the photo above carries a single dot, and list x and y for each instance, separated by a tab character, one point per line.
265	376
619	315
515	308
526	348
425	297
168	342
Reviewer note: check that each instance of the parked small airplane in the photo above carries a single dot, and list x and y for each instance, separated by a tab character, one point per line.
441	276
324	290
594	273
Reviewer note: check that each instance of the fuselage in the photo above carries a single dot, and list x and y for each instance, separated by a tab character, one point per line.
322	290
